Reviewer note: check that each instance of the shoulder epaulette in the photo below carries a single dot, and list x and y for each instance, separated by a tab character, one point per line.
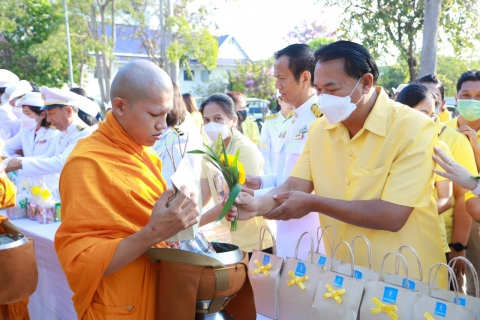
289	115
316	110
178	130
80	127
271	116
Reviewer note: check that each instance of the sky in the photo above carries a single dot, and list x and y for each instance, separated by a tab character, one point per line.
260	25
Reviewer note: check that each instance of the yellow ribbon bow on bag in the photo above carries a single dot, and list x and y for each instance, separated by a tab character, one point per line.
428	316
261	268
335	294
297	280
388	309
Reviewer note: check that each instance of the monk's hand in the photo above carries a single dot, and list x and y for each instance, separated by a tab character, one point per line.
247	207
293	205
169	218
253	182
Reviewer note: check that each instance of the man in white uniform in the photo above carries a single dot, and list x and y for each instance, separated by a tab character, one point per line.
293	68
9	124
62	114
270	135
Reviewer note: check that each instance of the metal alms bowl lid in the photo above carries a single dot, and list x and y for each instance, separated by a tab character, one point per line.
8	241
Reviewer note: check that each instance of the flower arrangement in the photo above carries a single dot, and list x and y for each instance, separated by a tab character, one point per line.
232	171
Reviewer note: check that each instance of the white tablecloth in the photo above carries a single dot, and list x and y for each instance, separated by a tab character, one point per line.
52	300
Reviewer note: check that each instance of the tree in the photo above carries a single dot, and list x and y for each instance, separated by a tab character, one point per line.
391	76
306	32
428	62
26	24
216	84
255	79
182	35
317	43
383	23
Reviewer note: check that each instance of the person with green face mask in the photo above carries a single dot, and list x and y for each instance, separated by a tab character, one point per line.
468	123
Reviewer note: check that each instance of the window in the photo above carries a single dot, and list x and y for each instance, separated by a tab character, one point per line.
188	77
205	75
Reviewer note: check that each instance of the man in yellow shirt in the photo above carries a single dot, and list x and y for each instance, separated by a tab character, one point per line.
369	161
457	219
468	123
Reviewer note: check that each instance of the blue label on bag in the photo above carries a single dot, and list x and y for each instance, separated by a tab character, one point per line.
301	269
357	274
321	261
266	260
441	309
411	284
338	281
390	295
463	302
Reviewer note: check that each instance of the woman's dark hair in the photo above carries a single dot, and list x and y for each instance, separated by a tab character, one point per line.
357	60
224	101
413	94
470	75
177	115
300	59
37	111
190	102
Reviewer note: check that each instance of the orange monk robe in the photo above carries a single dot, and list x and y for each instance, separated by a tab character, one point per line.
8	192
108	188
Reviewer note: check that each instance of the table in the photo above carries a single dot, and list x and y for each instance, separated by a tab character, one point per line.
52	299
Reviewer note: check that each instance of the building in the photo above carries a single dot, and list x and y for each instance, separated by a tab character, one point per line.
129	47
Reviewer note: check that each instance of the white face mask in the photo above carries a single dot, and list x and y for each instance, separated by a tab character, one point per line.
335	108
18	112
213	129
28	122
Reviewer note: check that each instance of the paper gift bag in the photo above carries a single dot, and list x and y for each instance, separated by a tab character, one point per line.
465	300
360	272
385	301
413	284
265	270
427	307
320	259
297	286
337	296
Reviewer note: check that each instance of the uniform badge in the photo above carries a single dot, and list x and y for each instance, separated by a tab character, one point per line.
289	115
316	110
271	116
283	134
42	141
301	133
80	127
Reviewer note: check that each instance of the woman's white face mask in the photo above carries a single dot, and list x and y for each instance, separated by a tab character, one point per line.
213	129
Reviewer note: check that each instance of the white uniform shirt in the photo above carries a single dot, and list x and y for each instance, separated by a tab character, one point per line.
293	137
10	125
54	159
269	138
32	143
170	138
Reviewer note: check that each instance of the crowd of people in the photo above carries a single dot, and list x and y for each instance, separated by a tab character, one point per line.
339	151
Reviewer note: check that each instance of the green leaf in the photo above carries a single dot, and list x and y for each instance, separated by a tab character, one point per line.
230	201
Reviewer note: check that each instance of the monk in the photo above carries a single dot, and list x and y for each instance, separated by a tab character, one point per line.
115	203
17	310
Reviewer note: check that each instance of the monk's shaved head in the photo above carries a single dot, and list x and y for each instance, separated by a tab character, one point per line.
137	79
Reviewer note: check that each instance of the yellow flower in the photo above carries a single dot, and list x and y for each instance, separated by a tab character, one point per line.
241	169
35	190
45	194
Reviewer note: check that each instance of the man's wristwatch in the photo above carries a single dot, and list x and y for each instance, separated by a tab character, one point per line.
457	246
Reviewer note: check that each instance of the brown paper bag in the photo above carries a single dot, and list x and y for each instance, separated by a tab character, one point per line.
322	260
413	284
297	286
427	307
360	272
384	301
337	296
464	300
265	270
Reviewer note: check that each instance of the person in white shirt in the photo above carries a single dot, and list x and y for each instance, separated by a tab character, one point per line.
293	68
270	135
36	136
61	108
9	124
